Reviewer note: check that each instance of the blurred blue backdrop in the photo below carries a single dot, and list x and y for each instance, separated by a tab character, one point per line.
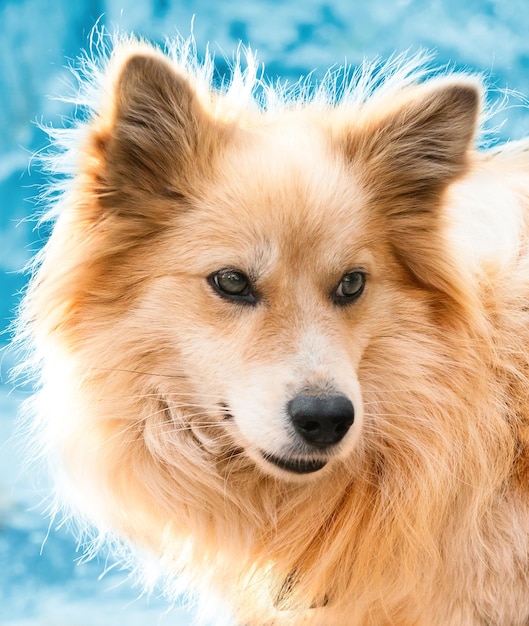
40	583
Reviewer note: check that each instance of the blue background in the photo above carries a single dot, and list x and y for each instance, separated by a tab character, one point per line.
40	582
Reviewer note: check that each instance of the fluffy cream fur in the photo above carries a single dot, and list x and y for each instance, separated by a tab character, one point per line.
159	396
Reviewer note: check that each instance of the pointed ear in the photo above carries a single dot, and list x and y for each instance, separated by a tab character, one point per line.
155	137
418	144
406	153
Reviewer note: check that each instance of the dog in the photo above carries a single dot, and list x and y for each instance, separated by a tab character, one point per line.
282	339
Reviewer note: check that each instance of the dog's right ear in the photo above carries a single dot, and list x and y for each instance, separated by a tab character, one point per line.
154	138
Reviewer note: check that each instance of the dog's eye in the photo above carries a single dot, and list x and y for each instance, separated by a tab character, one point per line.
351	287
233	284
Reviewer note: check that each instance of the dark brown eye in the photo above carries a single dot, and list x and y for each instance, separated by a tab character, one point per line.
351	287
233	284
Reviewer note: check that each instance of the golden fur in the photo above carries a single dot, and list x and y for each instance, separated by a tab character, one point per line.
159	396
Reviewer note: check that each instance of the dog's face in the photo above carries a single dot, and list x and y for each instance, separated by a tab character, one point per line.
270	290
260	269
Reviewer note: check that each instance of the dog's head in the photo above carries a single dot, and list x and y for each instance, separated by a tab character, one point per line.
243	287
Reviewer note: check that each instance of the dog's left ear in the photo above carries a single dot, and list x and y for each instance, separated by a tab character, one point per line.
405	153
409	149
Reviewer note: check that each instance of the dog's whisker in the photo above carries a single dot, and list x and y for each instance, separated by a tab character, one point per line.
201	400
140	372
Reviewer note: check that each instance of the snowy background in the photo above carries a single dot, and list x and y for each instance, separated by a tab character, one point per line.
40	582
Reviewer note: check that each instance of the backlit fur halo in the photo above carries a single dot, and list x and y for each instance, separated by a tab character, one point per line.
424	491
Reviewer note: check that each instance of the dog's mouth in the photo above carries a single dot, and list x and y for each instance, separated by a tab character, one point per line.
296	465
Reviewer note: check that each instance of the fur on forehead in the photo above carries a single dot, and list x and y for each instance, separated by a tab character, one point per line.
156	91
159	138
160	128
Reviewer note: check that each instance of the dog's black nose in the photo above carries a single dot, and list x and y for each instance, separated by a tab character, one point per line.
321	420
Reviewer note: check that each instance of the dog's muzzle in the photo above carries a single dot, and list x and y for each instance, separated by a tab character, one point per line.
321	421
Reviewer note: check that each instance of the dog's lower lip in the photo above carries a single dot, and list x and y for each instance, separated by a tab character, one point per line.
297	466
